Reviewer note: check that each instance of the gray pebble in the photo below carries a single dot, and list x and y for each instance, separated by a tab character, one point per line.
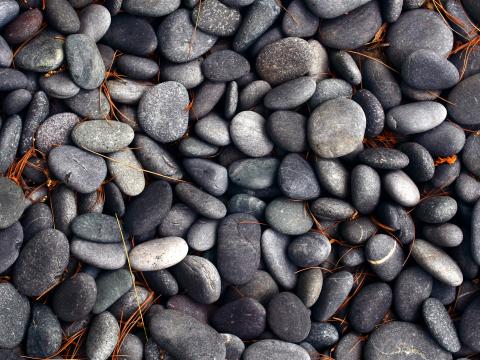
207	96
92	104
416	117
281	350
467	188
308	250
149	7
384	158
234	346
162	282
128	304
194	147
330	89
64	207
36	113
469	159
102	136
231	99
94	21
10	134
11	240
401	188
445	235
14	315
365	188
177	221
326	9
309	286
262	288
44	335
440	325
11	79
11	202
214	17
468	327
345	67
380	80
225	65
131	348
373	112
59	86
16	101
287	129
288	217
102	336
126	91
249	204
248	133
349	347
329	208
205	204
158	254
290	94
436	209
384	256
6	54
202	235
296	178
322	335
55	131
137	67
97	227
209	175
333	176
299	21
126	171
188	74
111	286
421	165
9	10
104	256
357	231
213	129
62	16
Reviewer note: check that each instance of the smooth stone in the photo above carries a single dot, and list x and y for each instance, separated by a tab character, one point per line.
11	79
214	17
92	104
296	178
62	16
398	339
287	129
137	67
128	304
308	250
225	65
131	348
90	203
102	336
105	256
188	74
384	158
445	235
16	101
445	174
373	112
213	129
186	305
331	139
253	93
94	21
365	188
207	96
14	315
288	217
248	133
155	158
299	21
210	176
162	282
59	86
426	70
329	208
37	112
132	35
102	136
245	318
249	204
330	89
108	55
114	202
97	227
335	290
309	286
384	256
231	100
332	176
401	188
111	286
32	275
415	30
177	221
238	248
11	239
11	203
290	94
150	8
44	335
469	157
193	147
126	91
200	201
55	130
6	54
23	26
349	347
345	66
290	58
412	4
370	306
64	208
467	188
322	335
440	325
274	251
200	279
364	21
44	53
262	288
446	294
436	209
126	171
9	10
73	300
416	117
468	327
357	231
156	201
234	346
280	350
161	111
78	169
176	40
257	20
436	262
203	344
421	165
379	79
444	140
158	254
202	235
327	10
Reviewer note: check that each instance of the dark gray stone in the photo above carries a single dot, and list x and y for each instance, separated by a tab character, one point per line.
137	67
24	26
290	94
177	221
102	336
203	203
281	350
14	315
330	89
213	129
445	235
9	10
9	140
126	171
248	133
188	74
36	114
288	217
262	288
379	79
102	136
309	286
11	202
111	286
469	158
310	249
436	209
128	304
149	7
206	97
55	131
440	325
357	231
44	335
384	158
16	101
384	256
468	327
287	129
97	227
416	117
92	104
131	348
209	175
322	335
444	140
296	178
421	165
215	18
162	282
467	188
105	256
62	16
234	346
254	174
365	188
349	347
11	239
326	9
333	176
11	79
95	20
373	112
299	21
202	235
194	147
225	65
328	208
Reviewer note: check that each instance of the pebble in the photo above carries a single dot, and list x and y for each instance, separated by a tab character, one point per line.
176	41
296	178
126	171
206	97
16	101
74	299
274	251
9	9
161	111
11	239
225	65
333	176
445	235
102	336
12	80
55	130
44	53
137	67
328	208
330	89
309	286
262	288
290	94
380	80
79	170
23	26
62	16
128	304
399	338
147	8
440	325
94	21
281	350
32	275
436	262
11	203
64	208
310	249
248	133
436	209
322	335
104	256
92	104
205	343
245	318
213	129
416	117
234	346
97	227
373	110
384	158
132	347
288	216
421	165
102	136
200	279
111	286
158	254
370	306
44	335
202	235
203	203
287	130
14	315
186	305
331	139
401	188
127	91
213	178
364	21
327	10
214	17
447	133
288	317
162	281
177	221
299	21
384	256
365	188
188	74
335	290
357	231
350	347
238	248
468	327
467	188
193	147
284	60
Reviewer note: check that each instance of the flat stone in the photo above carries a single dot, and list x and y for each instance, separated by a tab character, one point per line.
330	140
401	188
128	303
200	201
11	203
248	133
202	235
23	26
421	166
11	239
102	136
329	208
290	94
299	21
11	79
64	207
444	235
105	256
225	65
158	254
335	290
380	80
161	111
188	74
213	129
349	347
333	176
97	227
281	350
92	104
204	344
127	91
95	20
416	117
194	147
44	335
176	41
288	216
440	325
186	305
384	256
463	96
62	16
73	300
436	209
55	130
262	288
102	336
137	67
59	86
207	96
253	93
330	89
468	329
214	17
467	188
322	335
127	172
14	315
296	178
6	54
209	175
178	221
384	158
365	188
327	10
418	29
33	274
308	250
287	129
150	8
111	286
9	10
234	346
132	347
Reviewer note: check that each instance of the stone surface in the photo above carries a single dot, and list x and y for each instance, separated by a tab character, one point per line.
281	350
102	336
11	203
158	254
14	316
44	335
127	172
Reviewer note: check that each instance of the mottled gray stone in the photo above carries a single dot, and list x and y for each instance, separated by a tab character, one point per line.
440	325
280	350
44	335
95	20
92	104
158	254
188	74
248	133
127	172
213	129
384	256
330	89
365	188
401	188
105	256
288	217
214	17
111	286
290	94
102	136
102	336
416	117
380	80
14	314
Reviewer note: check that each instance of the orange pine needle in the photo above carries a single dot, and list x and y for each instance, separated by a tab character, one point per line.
450	160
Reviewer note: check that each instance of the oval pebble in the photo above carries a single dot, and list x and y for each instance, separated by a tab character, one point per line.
11	202
126	171
97	227
101	255
111	286
95	20
15	315
335	290
44	335
436	209
225	65
468	327
203	203
401	188
384	256
416	117
247	131
290	94
310	249
158	254
296	178
326	9
365	188
288	216
102	136
102	336
281	350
